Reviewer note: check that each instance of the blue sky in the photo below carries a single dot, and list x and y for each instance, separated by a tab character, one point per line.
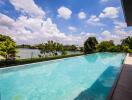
64	21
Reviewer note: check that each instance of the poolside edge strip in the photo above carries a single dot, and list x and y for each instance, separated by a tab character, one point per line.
33	60
124	93
116	81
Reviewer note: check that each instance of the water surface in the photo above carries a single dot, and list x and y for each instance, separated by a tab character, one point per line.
24	53
88	77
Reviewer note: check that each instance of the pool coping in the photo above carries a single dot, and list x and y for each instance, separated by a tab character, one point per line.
126	62
14	66
128	59
19	65
115	84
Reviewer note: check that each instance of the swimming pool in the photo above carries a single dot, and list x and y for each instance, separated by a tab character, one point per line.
88	77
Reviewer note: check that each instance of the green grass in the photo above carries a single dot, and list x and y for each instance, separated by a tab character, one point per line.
33	60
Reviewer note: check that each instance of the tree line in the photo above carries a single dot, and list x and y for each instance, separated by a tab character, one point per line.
51	48
66	47
92	45
8	47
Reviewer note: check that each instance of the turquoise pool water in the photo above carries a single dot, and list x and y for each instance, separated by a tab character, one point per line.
88	77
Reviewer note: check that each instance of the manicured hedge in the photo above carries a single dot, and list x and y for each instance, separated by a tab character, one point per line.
33	60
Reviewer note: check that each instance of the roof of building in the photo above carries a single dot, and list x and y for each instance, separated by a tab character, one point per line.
127	9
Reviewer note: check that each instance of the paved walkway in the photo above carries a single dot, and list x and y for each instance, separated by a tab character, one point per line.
123	88
128	59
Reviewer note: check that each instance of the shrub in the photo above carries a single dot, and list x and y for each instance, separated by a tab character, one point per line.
33	60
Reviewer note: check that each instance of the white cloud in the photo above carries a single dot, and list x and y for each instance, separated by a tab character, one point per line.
28	7
120	31
72	28
94	20
64	12
35	29
110	12
25	30
106	33
82	15
114	37
6	21
87	34
84	35
120	27
103	1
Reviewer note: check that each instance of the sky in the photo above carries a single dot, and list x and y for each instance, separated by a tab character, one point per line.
63	21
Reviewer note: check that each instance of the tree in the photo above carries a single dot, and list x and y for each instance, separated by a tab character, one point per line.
26	46
81	49
70	48
90	45
7	47
51	47
125	48
127	42
105	46
64	52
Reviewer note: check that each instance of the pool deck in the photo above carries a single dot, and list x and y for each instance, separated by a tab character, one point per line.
122	90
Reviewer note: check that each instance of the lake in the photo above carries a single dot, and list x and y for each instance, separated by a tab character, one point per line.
32	53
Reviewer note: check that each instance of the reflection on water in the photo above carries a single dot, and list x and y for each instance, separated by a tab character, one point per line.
27	53
91	58
33	53
101	86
